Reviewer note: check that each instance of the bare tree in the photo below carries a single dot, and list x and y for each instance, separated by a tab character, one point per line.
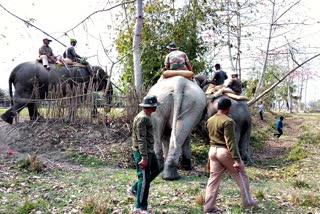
136	48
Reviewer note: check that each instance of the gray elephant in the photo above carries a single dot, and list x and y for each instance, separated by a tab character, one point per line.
182	105
239	112
27	77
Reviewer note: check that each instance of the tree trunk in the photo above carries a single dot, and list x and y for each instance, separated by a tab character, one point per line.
267	52
136	48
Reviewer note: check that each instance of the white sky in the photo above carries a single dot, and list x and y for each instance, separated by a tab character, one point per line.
19	43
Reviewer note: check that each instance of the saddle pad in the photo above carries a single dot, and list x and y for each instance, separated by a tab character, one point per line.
172	73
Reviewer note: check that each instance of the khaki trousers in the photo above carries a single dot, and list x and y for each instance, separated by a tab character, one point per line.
221	161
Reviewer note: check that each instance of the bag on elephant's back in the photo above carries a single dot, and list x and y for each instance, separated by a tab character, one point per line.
172	73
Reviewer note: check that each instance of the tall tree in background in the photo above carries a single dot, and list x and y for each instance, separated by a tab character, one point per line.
162	23
136	48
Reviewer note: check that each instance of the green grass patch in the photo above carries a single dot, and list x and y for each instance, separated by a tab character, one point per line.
297	153
85	159
199	152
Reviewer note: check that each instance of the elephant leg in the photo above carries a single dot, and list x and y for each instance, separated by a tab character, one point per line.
33	111
244	147
186	163
11	113
158	139
184	126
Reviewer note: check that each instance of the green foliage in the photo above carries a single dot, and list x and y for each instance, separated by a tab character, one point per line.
31	163
85	159
309	138
161	25
199	152
297	153
260	195
26	207
300	184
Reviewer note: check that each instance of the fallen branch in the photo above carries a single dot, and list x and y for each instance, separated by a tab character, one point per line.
254	100
29	23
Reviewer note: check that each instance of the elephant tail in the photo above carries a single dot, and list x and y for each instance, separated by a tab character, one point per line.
11	81
177	103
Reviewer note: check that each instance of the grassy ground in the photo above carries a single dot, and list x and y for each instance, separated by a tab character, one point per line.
284	178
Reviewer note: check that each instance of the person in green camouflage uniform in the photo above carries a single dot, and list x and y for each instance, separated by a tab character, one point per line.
143	153
176	60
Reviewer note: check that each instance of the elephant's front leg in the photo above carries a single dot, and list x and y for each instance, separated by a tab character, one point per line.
186	163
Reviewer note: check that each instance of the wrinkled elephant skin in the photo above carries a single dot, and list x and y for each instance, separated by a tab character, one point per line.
182	105
29	76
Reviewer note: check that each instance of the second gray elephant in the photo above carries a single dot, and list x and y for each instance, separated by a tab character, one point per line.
182	106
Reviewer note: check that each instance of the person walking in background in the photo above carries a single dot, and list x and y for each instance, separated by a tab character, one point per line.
143	153
260	109
224	156
176	60
279	126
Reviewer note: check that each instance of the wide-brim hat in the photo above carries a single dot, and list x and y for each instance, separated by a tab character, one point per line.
49	40
149	101
172	46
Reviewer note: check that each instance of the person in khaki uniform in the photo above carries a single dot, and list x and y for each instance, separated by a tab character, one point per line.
143	153
224	156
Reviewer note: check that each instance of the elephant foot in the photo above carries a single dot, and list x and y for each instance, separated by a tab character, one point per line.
186	164
170	176
247	160
170	172
7	119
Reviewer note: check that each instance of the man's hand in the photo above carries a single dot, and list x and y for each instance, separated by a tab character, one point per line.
143	163
237	166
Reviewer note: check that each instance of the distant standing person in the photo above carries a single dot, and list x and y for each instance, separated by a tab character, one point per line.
144	156
260	109
224	156
279	126
176	60
219	76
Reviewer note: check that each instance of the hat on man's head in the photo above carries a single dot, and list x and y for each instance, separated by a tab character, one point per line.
49	40
172	46
73	40
149	101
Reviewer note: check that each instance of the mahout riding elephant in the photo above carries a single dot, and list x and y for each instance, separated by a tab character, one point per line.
240	113
27	77
182	105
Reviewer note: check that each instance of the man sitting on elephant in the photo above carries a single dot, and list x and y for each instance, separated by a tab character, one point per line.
46	54
176	60
71	55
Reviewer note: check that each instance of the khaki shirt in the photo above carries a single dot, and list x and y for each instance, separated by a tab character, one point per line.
221	129
142	135
45	50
